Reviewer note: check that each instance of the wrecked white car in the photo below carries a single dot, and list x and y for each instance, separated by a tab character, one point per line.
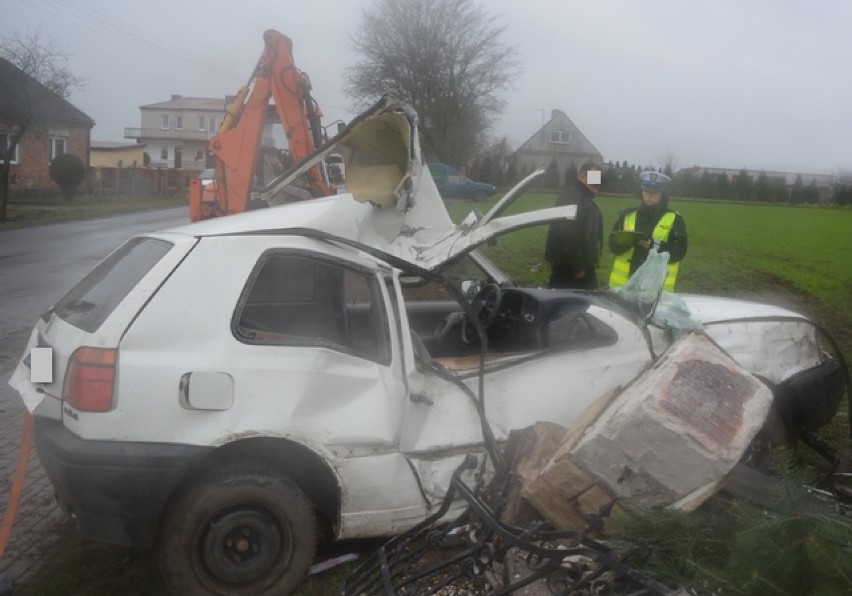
237	388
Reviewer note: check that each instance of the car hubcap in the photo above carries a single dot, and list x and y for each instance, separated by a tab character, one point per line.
242	546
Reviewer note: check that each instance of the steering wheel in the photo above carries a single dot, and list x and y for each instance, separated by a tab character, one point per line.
486	304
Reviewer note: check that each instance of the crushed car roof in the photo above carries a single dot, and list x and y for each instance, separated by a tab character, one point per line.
393	204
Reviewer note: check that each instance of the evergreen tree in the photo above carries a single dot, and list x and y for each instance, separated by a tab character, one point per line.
551	175
723	186
797	194
512	173
778	190
812	193
630	182
610	180
743	186
705	185
761	187
570	173
843	195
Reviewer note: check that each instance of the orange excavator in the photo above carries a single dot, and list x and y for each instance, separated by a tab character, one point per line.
237	145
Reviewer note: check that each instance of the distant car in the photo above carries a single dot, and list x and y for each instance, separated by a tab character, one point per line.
451	184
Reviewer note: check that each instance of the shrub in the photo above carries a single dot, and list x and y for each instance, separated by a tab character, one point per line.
68	171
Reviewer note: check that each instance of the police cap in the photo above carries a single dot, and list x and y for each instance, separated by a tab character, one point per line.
654	181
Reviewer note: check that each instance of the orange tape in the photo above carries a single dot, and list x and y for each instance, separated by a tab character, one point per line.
17	483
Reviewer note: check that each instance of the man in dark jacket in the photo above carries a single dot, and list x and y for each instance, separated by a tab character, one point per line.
574	246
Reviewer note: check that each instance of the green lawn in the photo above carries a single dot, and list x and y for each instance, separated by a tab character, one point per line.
792	256
25	210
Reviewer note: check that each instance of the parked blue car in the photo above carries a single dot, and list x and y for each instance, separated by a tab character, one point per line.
451	184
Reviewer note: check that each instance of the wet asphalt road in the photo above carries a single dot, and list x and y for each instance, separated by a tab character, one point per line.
37	267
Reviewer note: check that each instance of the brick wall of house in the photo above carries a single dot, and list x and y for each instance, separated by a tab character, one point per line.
31	171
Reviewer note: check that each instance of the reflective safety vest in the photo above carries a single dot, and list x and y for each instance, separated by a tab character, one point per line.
621	267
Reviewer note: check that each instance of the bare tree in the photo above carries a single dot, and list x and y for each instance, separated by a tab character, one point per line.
23	107
668	162
445	58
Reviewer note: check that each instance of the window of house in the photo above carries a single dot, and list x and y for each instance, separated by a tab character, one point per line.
199	153
211	124
5	141
164	152
298	300
202	120
165	121
179	122
559	136
57	146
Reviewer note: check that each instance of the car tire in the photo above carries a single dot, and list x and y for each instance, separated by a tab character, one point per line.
243	530
479	196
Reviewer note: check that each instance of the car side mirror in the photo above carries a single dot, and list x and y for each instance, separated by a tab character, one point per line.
471	287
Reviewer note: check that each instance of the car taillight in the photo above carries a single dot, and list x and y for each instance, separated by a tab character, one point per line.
89	379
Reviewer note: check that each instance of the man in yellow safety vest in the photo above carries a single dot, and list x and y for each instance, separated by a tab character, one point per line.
651	224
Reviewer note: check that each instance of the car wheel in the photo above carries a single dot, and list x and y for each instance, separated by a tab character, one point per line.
479	195
242	530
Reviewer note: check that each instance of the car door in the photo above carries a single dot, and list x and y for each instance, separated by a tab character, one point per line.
584	351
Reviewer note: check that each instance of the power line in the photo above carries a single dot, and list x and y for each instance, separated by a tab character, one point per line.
117	30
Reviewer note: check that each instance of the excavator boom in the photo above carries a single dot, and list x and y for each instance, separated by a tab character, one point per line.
237	145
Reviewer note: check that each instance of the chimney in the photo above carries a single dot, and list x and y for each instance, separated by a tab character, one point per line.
174	97
554	113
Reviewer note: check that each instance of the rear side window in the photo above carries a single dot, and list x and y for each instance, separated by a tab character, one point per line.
91	301
295	300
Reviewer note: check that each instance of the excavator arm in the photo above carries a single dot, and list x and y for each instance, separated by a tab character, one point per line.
237	145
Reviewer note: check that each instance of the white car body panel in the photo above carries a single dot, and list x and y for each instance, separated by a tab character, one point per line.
65	338
772	349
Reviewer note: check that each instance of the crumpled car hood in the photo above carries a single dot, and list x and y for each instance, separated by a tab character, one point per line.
709	309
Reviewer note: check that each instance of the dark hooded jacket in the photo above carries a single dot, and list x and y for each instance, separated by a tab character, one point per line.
575	245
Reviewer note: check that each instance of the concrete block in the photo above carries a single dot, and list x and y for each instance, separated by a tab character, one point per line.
678	429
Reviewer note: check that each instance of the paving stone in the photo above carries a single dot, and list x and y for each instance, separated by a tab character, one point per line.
39	524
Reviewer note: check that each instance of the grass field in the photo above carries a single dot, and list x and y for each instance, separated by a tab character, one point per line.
796	257
32	210
792	256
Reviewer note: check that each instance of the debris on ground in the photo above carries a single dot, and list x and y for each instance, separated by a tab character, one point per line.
332	563
671	438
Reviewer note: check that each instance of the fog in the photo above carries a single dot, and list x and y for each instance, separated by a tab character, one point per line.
763	85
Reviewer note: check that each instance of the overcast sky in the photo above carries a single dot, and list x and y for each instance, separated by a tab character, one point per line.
723	83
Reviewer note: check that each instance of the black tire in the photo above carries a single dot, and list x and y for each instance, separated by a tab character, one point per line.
479	196
243	530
